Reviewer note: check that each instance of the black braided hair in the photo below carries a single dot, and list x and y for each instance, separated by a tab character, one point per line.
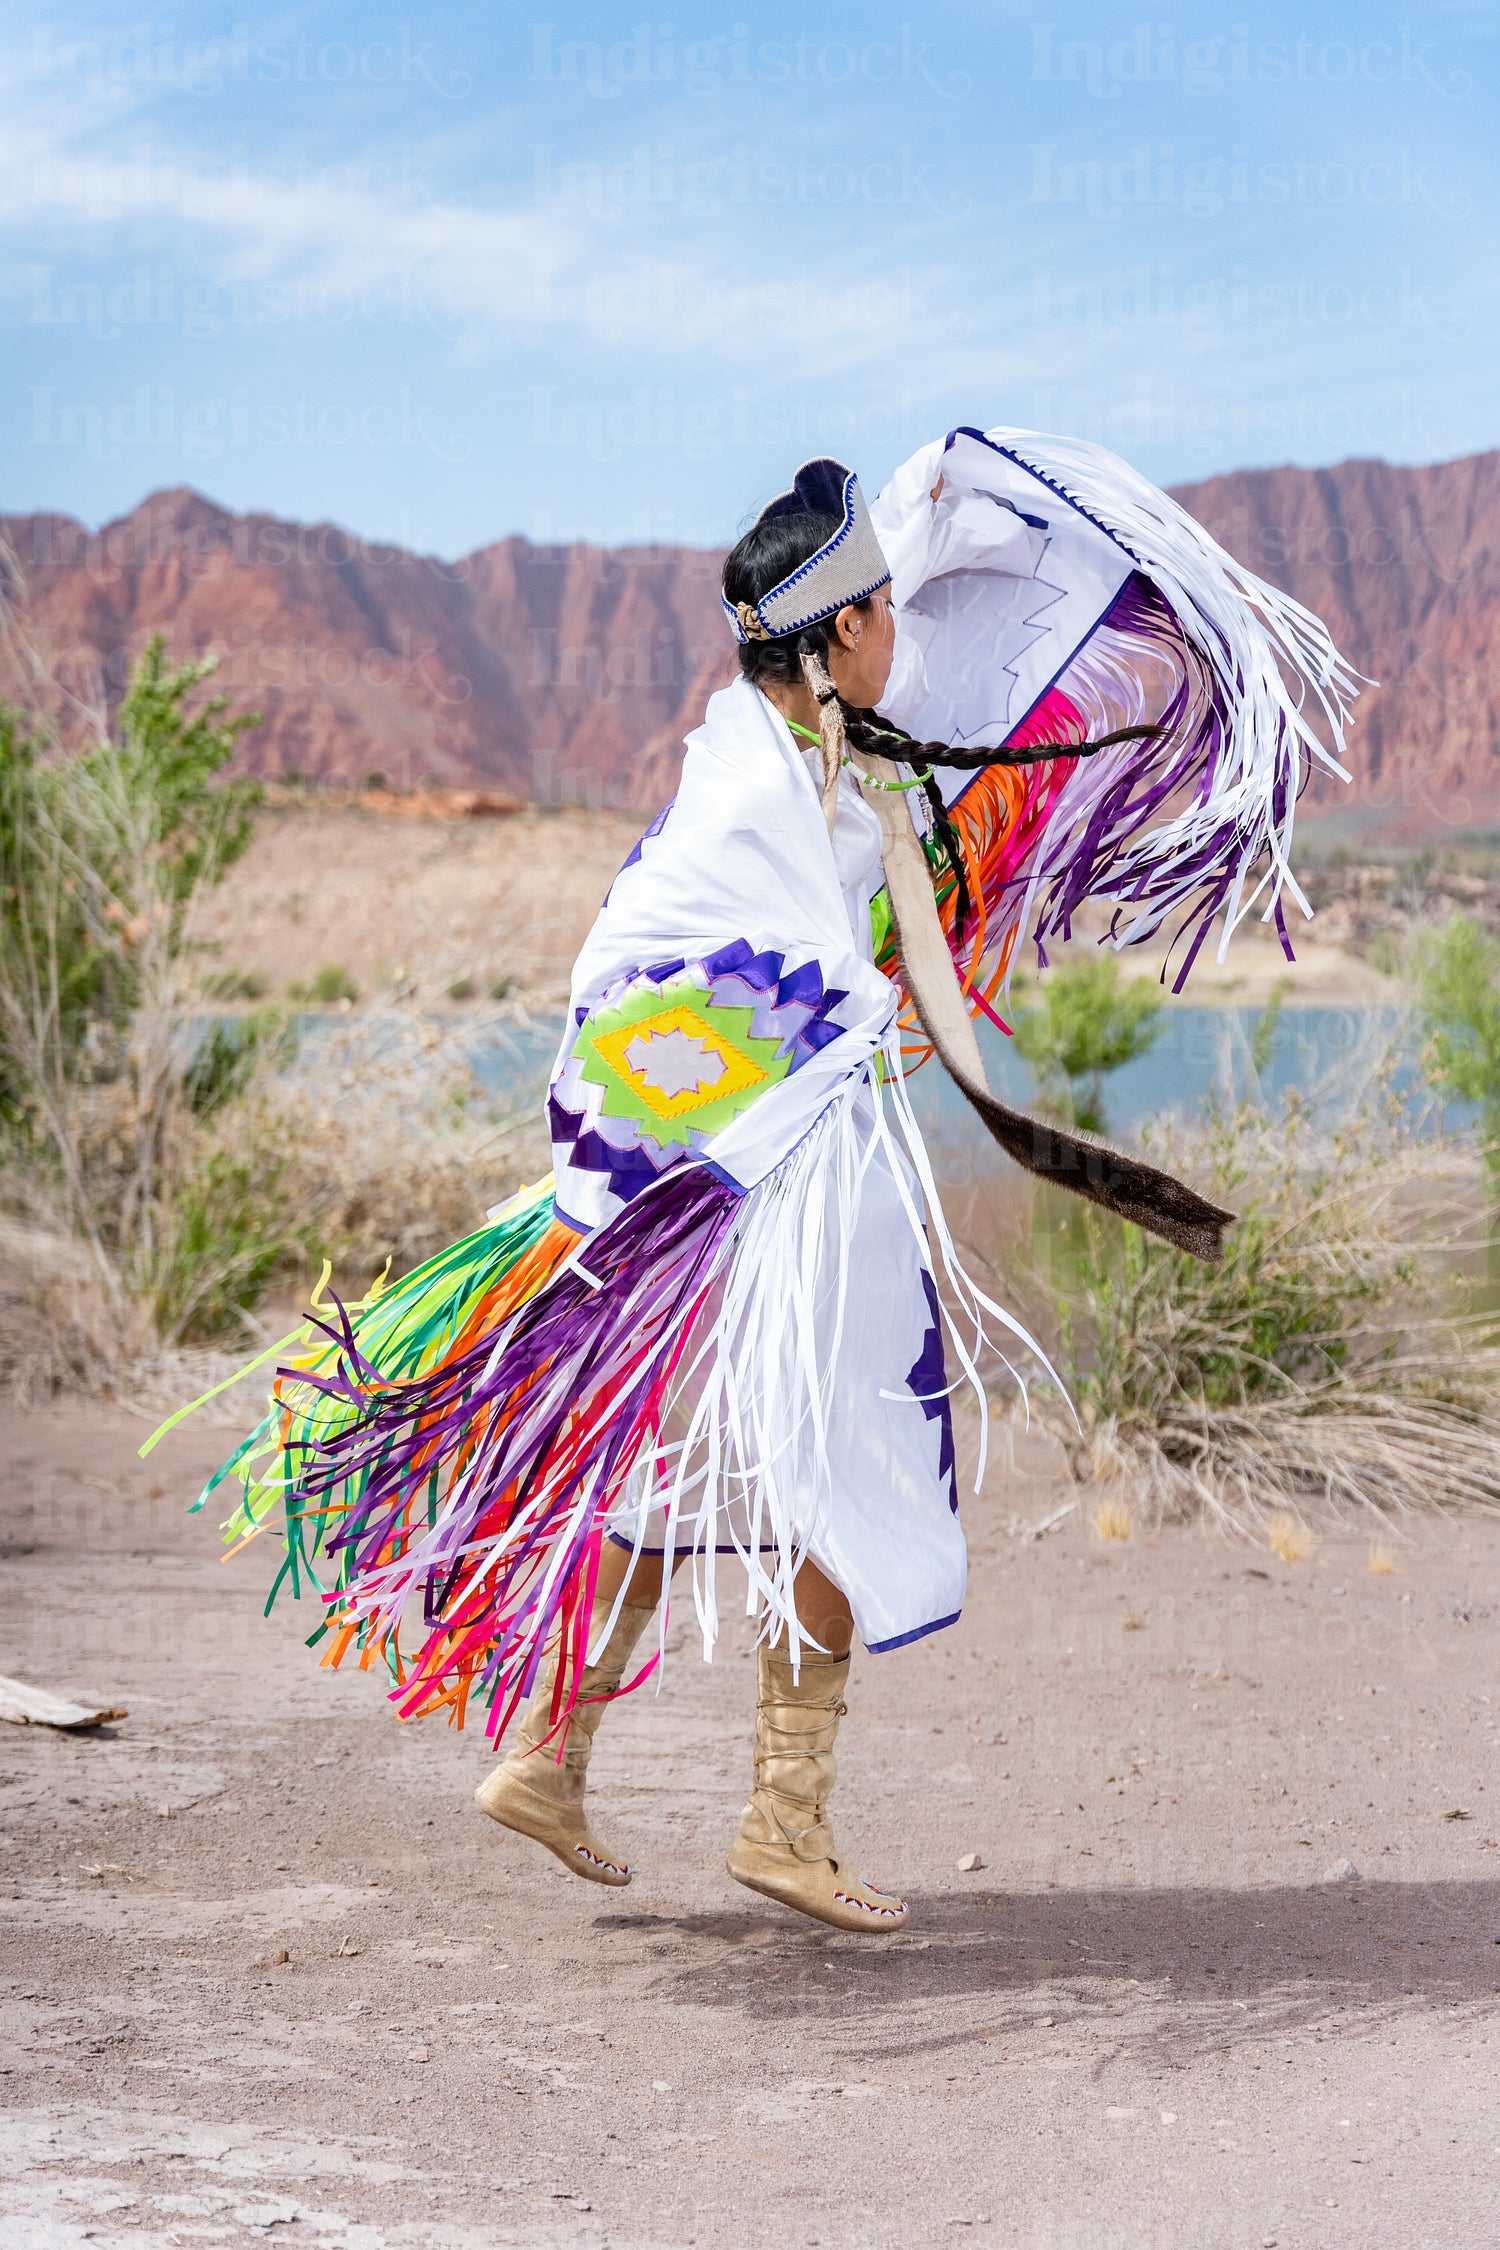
881	738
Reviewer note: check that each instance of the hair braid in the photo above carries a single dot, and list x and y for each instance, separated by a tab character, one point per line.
831	716
879	738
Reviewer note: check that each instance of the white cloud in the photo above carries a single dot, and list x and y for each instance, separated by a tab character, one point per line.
651	285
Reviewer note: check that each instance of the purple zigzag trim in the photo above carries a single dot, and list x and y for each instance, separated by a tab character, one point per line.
628	1169
800	988
928	1381
768	988
632	857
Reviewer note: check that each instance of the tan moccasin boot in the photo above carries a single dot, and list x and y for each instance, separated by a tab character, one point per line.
540	1795
785	1847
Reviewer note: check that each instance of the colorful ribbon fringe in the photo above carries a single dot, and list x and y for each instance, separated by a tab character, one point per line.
453	1448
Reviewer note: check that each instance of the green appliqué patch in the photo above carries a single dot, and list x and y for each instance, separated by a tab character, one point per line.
674	1061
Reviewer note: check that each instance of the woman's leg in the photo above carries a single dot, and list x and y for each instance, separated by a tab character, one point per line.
823	1610
785	1846
645	1579
538	1790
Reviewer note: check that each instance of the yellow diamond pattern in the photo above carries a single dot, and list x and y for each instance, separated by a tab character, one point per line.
739	1071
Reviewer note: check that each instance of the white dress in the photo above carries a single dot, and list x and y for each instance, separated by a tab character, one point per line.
863	1479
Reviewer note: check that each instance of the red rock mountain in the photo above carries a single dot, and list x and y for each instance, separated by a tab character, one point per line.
571	672
549	672
1403	566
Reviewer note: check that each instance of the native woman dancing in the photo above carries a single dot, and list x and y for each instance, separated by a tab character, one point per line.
1024	680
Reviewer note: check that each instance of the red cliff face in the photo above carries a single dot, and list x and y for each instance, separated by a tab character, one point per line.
545	671
572	672
1403	565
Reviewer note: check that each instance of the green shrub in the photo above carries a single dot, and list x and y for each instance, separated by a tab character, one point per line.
231	1054
234	984
1308	1261
328	988
1386	953
104	854
1458	982
1087	1023
228	1229
1323	1359
101	856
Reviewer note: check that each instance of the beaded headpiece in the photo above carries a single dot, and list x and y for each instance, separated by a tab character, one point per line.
848	567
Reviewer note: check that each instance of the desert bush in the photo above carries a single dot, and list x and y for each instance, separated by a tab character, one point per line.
1387	952
231	1225
1087	1022
232	1053
1458	982
393	1147
331	985
165	1168
1327	1358
234	984
102	856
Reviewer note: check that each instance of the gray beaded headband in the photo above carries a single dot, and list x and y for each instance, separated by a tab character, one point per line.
848	567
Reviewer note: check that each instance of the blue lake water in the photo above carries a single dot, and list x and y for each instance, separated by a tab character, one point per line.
1332	1057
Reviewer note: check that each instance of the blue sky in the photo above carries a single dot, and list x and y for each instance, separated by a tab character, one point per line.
606	274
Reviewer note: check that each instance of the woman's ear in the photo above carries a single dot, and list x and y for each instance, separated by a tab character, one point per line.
846	627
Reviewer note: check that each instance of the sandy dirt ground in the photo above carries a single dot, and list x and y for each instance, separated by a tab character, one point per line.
392	900
269	1975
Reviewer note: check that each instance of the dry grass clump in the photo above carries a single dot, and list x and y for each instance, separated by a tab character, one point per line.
394	1148
166	1165
1112	1519
376	1145
61	1333
1292	1540
1325	1360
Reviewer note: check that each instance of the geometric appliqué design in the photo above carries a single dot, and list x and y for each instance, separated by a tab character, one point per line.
666	1055
673	1060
